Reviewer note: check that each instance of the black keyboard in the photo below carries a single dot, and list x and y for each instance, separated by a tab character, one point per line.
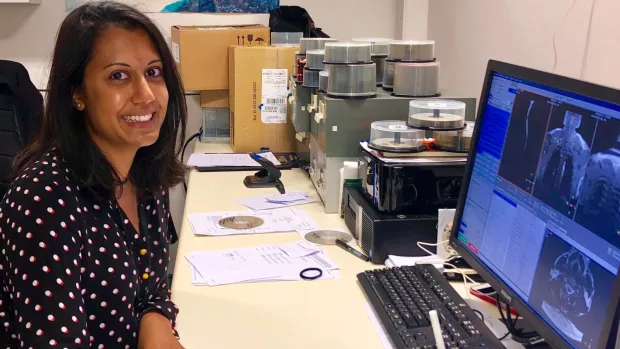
402	298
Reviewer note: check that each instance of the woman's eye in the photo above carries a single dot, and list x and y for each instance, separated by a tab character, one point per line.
119	76
154	72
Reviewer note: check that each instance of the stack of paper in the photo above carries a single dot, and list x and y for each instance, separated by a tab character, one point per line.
275	221
398	261
259	264
268	202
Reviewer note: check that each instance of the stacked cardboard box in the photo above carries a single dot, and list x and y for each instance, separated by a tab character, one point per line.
258	108
230	66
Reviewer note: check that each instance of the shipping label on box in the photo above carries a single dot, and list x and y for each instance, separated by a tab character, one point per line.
274	93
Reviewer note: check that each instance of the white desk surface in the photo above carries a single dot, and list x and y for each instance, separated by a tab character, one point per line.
298	314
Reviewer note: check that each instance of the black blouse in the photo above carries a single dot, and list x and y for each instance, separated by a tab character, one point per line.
74	273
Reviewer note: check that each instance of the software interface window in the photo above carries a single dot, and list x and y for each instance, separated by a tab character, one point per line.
542	207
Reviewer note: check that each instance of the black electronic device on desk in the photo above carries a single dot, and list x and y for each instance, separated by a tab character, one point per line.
538	214
419	184
382	234
267	177
403	297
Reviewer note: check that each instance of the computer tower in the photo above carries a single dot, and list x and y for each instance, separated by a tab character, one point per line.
382	234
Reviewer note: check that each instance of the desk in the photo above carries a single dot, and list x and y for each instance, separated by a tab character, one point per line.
299	314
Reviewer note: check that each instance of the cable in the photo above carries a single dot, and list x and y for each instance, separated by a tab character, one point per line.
479	314
555	52
518	335
584	59
196	135
454	268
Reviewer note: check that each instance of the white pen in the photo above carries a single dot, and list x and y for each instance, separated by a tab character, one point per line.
436	329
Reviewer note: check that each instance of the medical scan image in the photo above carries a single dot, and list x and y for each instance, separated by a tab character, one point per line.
525	136
599	198
569	290
564	158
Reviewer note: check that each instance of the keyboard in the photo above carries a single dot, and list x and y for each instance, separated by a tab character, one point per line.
402	298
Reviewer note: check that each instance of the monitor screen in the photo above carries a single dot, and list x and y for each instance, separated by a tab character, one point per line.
542	211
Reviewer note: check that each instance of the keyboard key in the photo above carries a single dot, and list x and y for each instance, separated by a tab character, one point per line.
400	324
409	320
411	343
383	296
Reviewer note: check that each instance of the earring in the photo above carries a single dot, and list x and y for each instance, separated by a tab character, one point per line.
79	106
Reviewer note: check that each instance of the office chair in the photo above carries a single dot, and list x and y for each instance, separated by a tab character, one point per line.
21	114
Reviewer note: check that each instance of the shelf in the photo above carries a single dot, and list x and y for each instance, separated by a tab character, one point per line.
20	2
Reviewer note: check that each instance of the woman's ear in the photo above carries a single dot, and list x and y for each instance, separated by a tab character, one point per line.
78	99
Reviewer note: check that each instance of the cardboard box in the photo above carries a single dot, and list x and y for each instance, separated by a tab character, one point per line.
214	99
201	53
252	129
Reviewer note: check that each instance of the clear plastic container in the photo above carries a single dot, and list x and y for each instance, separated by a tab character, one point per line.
314	59
285	39
352	80
454	141
348	52
306	44
412	51
323	79
379	46
436	114
394	136
311	78
416	79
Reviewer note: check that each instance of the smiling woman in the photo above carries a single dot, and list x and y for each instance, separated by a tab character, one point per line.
85	226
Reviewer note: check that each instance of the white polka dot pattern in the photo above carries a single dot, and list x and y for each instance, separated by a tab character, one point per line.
70	264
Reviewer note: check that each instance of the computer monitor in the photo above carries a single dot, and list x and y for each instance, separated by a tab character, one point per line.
539	212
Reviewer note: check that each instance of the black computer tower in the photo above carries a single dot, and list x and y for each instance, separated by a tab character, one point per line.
380	234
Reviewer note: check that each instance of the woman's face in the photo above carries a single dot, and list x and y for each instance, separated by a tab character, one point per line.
124	94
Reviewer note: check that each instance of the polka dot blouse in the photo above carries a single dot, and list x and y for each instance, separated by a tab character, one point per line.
74	273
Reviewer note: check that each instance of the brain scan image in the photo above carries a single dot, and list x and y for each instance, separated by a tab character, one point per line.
572	289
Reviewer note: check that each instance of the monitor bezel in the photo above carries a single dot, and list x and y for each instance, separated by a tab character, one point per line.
564	83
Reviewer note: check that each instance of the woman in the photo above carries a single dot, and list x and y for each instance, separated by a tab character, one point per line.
85	225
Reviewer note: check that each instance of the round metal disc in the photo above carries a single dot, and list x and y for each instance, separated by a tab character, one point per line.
327	237
241	222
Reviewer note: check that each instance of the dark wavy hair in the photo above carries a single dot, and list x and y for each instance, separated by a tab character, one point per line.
64	127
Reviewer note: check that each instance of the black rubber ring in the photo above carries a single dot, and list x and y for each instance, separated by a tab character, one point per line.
303	272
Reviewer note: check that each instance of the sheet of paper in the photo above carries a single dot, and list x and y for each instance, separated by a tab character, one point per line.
228	160
399	261
270	202
258	264
376	323
298	249
275	221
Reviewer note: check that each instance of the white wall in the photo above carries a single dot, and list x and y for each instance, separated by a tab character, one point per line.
27	32
469	33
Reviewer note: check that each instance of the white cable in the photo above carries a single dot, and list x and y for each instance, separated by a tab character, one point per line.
442	260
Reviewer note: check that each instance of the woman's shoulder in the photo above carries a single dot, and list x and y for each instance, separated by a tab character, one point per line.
46	178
